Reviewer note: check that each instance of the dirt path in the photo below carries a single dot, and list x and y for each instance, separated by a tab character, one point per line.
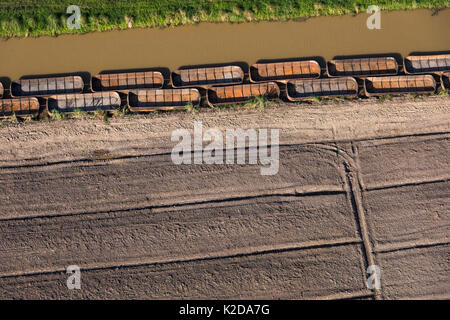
359	183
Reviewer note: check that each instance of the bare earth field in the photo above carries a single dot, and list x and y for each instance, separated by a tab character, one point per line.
360	183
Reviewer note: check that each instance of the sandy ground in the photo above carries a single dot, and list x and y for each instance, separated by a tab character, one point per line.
360	183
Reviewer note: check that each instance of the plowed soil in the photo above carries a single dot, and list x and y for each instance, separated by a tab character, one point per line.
360	183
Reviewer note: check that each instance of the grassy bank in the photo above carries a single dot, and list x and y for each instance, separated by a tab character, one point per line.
48	17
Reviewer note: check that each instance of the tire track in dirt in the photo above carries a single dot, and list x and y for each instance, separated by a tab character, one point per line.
411	245
356	184
407	183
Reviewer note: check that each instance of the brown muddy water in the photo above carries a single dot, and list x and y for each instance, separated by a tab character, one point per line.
401	32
